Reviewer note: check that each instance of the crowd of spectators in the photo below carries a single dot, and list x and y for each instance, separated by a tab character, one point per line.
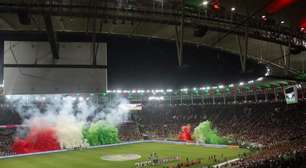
276	129
264	124
283	155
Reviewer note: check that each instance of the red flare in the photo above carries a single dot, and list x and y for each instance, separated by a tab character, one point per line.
38	140
185	134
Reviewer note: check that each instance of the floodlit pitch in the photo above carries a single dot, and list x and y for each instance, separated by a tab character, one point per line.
91	158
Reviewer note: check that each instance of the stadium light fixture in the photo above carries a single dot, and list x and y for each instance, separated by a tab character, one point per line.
108	91
214	87
268	71
282	22
133	91
221	86
169	90
207	88
264	17
233	9
251	81
205	3
241	83
184	90
140	91
260	79
231	85
119	91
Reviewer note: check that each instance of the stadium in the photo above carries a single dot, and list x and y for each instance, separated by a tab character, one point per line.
152	83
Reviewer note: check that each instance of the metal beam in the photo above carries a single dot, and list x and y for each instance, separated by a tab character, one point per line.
54	66
51	36
169	17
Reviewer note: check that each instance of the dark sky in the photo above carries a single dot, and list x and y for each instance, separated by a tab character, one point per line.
137	63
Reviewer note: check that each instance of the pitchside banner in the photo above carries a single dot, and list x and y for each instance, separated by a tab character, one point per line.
291	94
53	80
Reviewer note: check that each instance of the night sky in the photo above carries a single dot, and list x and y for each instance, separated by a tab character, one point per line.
138	63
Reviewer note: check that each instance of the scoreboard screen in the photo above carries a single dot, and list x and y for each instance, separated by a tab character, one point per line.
291	94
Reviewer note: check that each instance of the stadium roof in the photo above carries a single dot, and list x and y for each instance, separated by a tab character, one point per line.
271	26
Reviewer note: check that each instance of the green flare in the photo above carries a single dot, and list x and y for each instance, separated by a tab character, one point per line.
206	134
101	133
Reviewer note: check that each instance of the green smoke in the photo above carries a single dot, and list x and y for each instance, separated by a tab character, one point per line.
101	133
206	134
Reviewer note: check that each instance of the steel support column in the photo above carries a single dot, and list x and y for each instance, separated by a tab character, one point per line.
51	36
179	33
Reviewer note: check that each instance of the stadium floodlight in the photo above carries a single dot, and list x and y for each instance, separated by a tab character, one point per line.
119	91
202	88
205	3
268	71
133	91
169	90
140	91
260	79
251	81
214	87
241	83
282	22
231	85
195	89
221	86
108	91
299	86
87	98
184	90
264	17
233	9
43	98
148	91
207	88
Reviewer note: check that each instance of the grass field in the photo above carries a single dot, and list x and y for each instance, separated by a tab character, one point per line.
92	158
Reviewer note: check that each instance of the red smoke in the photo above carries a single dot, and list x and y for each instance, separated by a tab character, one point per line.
278	5
38	140
303	22
185	134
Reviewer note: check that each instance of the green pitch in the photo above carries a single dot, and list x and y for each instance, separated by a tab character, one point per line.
92	158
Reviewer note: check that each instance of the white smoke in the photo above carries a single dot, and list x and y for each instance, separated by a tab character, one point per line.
67	114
